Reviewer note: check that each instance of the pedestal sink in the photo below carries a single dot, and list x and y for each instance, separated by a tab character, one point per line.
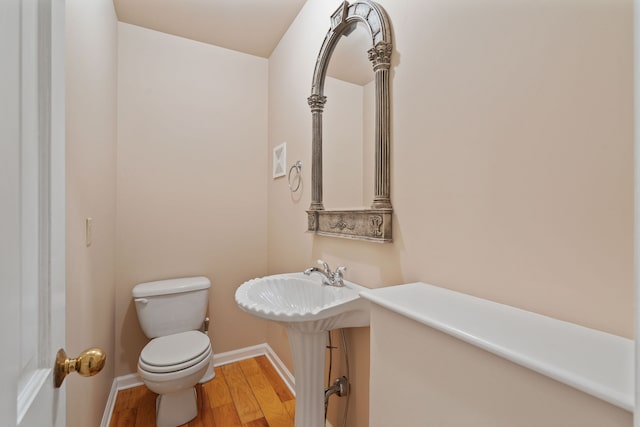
308	309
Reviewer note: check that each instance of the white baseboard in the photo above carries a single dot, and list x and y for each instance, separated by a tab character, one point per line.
111	402
281	368
133	380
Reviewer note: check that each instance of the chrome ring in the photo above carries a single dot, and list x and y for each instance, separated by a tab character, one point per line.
298	167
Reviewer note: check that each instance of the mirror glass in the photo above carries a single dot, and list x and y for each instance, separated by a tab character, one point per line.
348	123
350	127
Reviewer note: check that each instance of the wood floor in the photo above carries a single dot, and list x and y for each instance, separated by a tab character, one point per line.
248	393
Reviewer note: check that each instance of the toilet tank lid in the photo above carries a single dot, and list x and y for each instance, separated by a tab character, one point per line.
171	286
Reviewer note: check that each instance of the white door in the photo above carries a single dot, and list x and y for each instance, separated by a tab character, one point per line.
32	247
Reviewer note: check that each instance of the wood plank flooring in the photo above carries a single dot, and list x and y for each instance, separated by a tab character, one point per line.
248	393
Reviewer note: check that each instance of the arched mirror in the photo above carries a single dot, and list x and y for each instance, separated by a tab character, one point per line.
358	141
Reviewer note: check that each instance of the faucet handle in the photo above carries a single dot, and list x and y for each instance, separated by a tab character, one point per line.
339	274
325	266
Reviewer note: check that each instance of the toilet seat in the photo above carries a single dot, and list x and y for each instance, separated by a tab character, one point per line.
175	352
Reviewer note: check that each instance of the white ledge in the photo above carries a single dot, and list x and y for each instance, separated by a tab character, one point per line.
595	362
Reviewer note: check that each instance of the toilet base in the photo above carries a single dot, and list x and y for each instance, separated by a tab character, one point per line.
174	409
210	373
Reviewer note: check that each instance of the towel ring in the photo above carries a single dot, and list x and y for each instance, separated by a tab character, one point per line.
297	177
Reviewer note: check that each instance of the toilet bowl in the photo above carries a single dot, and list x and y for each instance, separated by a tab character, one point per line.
171	366
179	355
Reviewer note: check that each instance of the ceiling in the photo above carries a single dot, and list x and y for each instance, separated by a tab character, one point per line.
250	26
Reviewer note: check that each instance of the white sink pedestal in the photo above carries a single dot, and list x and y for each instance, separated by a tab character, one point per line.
308	350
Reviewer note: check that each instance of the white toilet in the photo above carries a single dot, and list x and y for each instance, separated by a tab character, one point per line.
172	313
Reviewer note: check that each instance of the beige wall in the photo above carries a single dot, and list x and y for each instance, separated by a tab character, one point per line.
91	43
191	175
512	168
496	393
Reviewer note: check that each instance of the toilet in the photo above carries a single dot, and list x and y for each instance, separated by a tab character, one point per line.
173	314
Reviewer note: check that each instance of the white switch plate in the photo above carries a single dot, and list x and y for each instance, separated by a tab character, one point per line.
280	160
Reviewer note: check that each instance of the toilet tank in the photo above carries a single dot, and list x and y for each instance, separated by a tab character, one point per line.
166	307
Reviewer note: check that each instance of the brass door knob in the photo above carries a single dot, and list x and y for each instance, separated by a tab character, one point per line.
89	363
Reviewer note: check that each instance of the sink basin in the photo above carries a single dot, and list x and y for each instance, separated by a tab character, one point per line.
308	309
294	298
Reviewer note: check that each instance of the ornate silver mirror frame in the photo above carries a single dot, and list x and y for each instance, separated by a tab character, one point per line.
372	224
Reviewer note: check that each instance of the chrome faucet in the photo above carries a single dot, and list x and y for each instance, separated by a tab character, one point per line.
328	278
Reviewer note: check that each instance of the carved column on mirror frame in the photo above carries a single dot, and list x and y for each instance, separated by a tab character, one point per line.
316	102
380	56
